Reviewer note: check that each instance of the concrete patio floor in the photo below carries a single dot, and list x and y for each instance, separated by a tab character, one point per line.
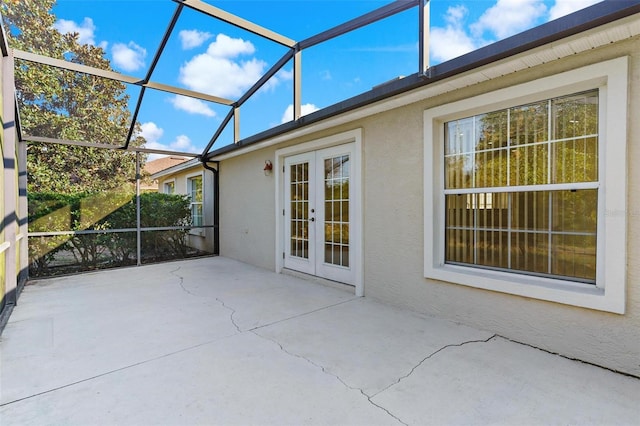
214	341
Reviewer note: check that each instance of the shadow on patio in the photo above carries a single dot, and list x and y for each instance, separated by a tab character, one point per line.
215	341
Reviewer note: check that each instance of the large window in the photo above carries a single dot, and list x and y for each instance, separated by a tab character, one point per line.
525	188
521	188
194	186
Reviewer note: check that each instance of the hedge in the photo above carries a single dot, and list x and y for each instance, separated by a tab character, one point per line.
50	212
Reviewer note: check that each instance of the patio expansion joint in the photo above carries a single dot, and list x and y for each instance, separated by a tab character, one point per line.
325	371
304	314
431	355
117	370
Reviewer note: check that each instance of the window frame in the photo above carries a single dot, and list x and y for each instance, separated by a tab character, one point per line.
608	294
189	178
167	182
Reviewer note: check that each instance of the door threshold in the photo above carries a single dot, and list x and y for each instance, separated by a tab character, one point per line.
319	280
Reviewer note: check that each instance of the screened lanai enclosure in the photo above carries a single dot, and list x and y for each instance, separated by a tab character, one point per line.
495	189
77	195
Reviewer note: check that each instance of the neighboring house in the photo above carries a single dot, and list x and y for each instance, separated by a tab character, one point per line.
154	166
501	190
190	178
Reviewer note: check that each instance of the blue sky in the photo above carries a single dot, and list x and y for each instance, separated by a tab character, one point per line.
209	56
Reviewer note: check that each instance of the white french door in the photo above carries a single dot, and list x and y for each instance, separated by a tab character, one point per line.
318	213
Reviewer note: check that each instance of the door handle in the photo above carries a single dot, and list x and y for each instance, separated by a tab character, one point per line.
313	219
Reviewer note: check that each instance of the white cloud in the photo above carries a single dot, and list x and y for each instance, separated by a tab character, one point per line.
508	17
129	57
152	133
183	143
192	105
503	19
85	30
219	72
227	47
193	38
282	75
565	7
452	40
305	109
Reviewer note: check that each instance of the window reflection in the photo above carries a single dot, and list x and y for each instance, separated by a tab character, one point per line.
536	228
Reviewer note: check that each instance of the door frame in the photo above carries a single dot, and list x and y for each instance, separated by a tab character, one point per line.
350	137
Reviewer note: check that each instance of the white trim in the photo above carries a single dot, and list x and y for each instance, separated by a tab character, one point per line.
198	232
165	182
352	136
198	173
523	188
611	77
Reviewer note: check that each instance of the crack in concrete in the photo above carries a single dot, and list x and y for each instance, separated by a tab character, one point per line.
321	367
325	371
232	313
415	367
186	290
567	357
362	392
220	301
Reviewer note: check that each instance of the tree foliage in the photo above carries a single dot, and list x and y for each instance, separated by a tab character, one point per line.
67	105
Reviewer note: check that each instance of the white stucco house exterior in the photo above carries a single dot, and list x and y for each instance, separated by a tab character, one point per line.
499	190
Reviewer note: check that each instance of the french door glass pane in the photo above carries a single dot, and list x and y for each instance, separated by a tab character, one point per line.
299	191
336	210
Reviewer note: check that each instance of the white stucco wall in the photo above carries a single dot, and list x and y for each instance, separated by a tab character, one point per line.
247	223
201	239
393	150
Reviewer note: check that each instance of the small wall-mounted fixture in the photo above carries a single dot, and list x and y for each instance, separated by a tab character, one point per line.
268	167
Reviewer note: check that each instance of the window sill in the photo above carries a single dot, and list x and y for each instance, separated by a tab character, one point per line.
547	289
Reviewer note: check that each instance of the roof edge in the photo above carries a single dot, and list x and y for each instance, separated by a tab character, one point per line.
591	17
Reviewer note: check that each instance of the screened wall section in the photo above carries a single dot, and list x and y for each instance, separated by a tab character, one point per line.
86	222
521	188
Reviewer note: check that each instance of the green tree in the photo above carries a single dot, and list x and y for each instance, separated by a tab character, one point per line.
62	104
